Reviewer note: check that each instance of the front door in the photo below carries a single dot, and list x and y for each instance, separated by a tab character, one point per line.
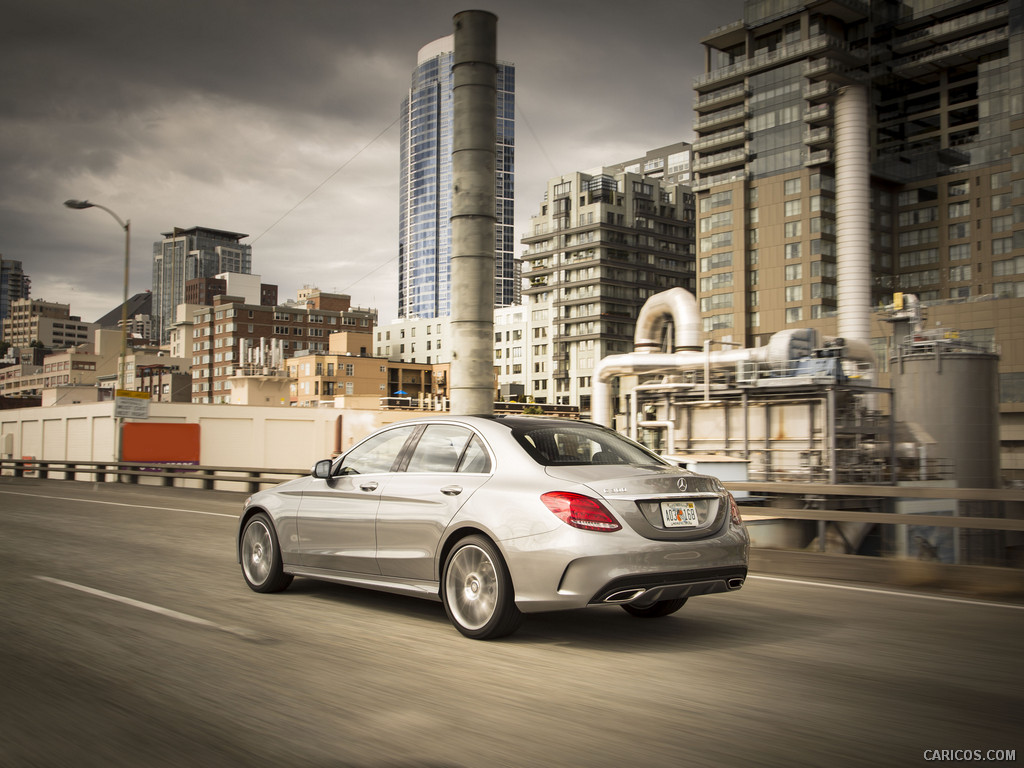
337	516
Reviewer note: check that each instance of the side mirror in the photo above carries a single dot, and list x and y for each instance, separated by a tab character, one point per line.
322	469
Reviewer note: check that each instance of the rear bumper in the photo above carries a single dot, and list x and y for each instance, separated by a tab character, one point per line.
649	588
568	568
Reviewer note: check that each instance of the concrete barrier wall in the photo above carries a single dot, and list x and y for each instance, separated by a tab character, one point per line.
230	435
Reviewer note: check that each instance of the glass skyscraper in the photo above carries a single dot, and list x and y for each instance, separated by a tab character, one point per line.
424	271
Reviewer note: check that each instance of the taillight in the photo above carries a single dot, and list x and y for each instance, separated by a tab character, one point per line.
580	511
734	511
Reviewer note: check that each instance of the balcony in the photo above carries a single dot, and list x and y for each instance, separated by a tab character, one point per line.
815	136
940	33
769	60
818	113
721	140
819	90
730	177
961	51
831	69
723	98
721	159
819	157
721	119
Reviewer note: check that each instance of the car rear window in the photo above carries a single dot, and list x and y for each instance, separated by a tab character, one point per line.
558	445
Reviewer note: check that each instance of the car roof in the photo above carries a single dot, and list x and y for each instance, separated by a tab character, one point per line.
519	421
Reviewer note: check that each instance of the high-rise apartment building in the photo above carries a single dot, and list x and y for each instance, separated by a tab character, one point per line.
186	254
425	188
881	138
602	244
14	284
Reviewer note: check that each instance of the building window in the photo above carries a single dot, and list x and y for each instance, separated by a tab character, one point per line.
959	210
1002	245
957	274
718	261
959	252
956	188
717	301
717	322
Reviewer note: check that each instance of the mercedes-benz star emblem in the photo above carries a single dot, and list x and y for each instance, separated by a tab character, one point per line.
682	483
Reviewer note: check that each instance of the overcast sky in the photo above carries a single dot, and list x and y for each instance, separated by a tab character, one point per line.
230	113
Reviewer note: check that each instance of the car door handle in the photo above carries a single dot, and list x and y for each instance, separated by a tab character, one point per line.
369	486
452	490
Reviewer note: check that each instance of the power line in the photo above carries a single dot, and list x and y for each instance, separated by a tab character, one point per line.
319	186
540	146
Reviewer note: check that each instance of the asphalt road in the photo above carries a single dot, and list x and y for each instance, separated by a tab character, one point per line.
129	638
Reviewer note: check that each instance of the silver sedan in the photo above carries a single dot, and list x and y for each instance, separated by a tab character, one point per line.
500	516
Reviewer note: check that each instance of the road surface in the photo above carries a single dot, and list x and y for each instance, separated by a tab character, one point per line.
129	638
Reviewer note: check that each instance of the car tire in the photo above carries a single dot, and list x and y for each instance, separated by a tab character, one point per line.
261	556
655	610
477	591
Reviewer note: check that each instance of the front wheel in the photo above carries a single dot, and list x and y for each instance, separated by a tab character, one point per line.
477	590
261	556
655	610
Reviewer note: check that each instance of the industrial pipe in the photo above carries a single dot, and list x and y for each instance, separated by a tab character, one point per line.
676	305
474	135
853	214
635	363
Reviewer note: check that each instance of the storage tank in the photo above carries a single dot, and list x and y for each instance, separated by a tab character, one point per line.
951	390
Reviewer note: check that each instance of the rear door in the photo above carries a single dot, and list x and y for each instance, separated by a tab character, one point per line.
447	465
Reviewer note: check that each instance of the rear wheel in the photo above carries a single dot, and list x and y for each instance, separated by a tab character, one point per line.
477	590
261	556
654	610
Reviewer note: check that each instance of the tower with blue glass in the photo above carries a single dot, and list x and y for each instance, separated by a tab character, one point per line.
424	271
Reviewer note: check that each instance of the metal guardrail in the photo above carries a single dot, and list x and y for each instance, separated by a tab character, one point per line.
165	475
206	477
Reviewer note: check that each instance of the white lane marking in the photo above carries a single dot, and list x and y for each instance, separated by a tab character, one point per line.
152	608
121	504
891	592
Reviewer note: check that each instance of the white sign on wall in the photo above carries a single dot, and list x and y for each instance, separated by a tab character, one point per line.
131	405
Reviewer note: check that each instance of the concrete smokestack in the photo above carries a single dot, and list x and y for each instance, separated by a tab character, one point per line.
474	135
853	213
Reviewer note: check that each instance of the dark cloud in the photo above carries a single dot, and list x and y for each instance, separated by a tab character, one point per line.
226	113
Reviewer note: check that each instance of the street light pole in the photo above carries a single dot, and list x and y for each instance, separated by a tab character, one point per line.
126	225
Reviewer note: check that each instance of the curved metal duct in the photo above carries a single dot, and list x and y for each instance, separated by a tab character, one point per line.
677	305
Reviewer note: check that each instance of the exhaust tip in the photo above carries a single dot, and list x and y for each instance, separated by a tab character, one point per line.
624	596
735	583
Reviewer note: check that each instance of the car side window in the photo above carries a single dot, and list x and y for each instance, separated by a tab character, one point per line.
439	448
475	458
376	455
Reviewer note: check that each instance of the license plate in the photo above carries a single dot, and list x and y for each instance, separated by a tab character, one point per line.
679	514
